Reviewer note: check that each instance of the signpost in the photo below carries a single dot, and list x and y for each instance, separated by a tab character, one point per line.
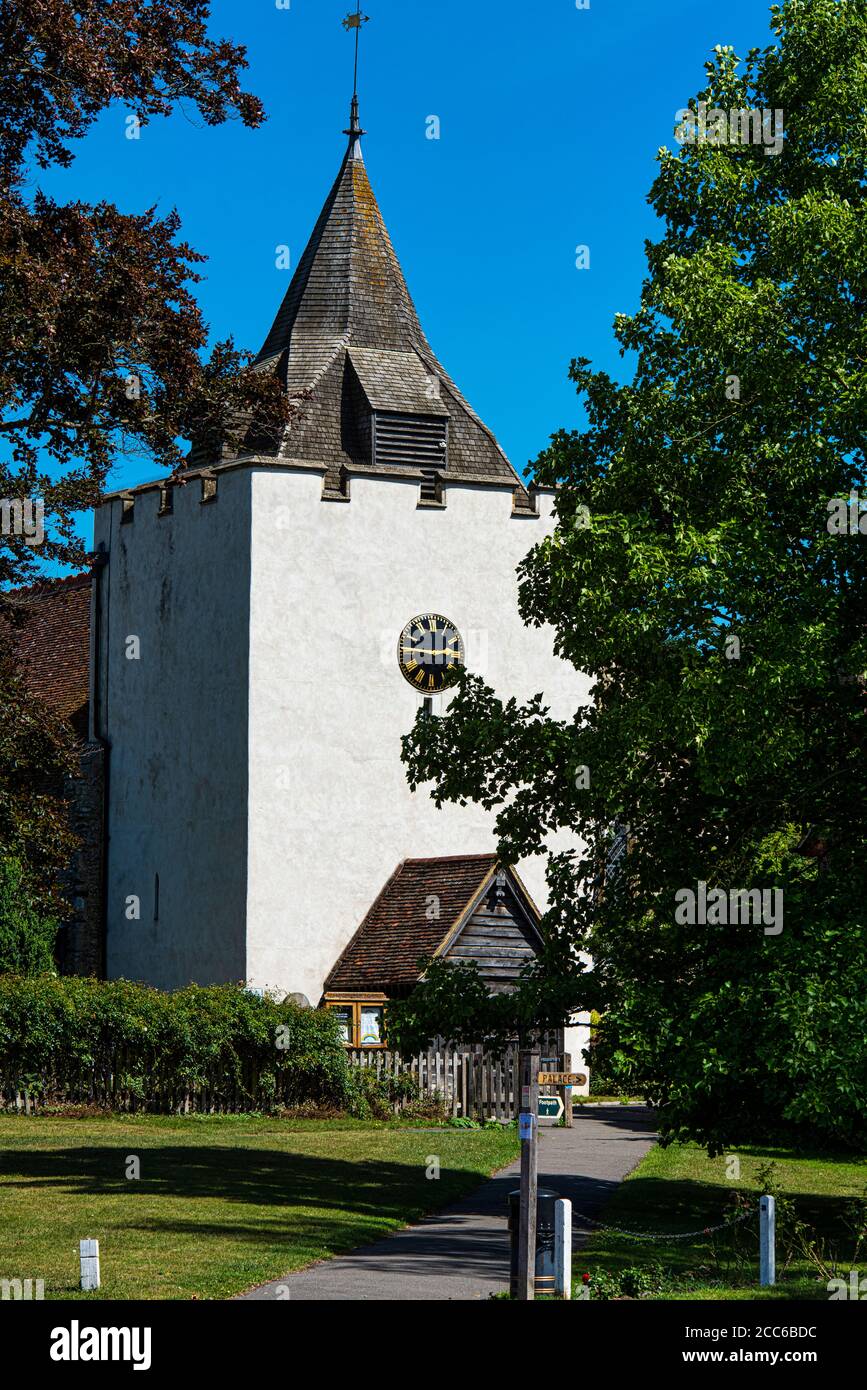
528	1129
550	1107
564	1080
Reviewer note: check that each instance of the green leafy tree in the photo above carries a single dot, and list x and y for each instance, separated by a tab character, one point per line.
453	1002
27	935
700	576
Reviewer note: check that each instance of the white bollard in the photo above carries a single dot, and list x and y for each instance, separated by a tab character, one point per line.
89	1254
563	1248
767	1251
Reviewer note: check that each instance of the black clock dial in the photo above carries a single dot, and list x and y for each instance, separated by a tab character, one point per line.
430	653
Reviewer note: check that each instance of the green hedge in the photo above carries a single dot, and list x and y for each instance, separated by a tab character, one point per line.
129	1047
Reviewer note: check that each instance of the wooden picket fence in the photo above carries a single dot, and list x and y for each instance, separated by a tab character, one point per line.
477	1085
108	1088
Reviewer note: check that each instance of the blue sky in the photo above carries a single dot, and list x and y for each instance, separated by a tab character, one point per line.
551	117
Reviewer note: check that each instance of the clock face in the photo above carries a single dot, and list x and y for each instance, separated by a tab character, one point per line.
430	653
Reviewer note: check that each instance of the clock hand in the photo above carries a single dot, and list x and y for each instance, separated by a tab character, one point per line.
426	651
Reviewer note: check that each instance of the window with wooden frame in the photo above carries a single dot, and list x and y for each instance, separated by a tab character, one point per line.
362	1021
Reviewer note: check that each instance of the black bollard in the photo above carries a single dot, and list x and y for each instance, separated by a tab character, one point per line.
544	1276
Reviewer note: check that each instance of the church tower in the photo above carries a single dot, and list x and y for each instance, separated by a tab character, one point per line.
267	627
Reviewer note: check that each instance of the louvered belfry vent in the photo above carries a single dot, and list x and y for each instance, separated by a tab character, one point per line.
410	441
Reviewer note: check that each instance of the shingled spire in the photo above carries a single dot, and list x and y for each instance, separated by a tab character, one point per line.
350	349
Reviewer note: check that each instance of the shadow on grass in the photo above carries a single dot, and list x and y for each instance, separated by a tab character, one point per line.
260	1177
310	1205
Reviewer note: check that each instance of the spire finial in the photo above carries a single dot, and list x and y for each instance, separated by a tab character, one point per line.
355	21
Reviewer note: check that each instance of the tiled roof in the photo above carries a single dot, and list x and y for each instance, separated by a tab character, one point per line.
400	926
348	293
52	642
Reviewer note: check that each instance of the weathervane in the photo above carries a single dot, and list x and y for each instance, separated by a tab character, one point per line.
355	21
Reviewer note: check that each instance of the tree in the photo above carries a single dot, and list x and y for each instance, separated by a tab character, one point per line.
102	345
699	574
37	754
101	340
26	935
453	1002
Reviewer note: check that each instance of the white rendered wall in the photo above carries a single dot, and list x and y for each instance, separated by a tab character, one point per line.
577	1044
332	586
176	721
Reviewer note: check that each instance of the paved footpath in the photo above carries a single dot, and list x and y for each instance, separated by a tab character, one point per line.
463	1252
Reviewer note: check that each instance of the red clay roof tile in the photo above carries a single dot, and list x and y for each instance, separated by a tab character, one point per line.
52	643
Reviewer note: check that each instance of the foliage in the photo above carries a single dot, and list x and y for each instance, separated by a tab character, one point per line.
453	1002
26	936
379	1096
127	1045
608	1077
36	755
694	576
633	1281
75	60
101	340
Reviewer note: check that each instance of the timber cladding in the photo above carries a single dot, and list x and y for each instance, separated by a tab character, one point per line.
500	941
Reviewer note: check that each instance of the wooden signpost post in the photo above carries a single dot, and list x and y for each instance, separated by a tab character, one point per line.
566	1090
528	1127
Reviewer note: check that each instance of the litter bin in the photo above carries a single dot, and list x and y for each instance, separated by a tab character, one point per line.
545	1200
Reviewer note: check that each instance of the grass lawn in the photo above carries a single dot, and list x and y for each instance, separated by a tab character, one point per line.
223	1202
681	1189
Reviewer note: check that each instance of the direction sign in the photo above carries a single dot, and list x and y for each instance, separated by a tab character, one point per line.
561	1078
550	1107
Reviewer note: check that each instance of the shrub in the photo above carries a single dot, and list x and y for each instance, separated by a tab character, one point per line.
127	1046
26	936
635	1281
370	1095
